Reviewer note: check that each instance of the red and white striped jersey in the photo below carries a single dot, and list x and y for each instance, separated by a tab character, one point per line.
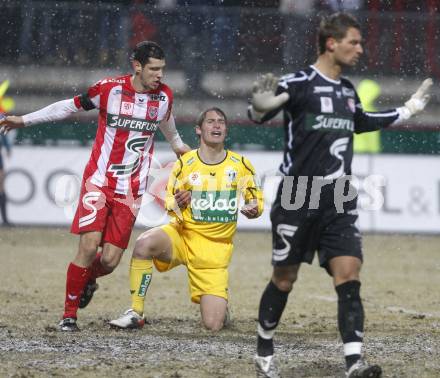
123	147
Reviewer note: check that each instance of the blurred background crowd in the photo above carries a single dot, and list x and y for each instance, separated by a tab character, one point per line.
214	51
216	35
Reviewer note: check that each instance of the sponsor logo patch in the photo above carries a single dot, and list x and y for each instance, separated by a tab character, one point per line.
134	145
351	105
327	89
131	124
157	97
145	282
119	81
152	111
194	178
231	174
214	206
326	123
125	93
326	105
347	92
127	108
89	201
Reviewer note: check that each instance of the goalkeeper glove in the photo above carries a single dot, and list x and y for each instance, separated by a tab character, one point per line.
418	100
263	94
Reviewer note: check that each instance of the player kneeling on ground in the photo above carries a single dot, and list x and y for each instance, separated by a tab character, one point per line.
202	197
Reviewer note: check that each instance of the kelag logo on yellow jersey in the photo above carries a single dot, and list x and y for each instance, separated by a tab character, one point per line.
215	206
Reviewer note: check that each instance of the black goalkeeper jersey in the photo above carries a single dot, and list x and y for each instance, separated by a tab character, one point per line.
319	121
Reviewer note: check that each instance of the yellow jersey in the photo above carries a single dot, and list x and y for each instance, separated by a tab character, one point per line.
216	193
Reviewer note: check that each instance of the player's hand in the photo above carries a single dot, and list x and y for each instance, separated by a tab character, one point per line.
250	210
263	94
179	151
418	100
182	198
9	123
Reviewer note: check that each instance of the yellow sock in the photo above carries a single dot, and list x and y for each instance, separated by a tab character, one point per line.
140	278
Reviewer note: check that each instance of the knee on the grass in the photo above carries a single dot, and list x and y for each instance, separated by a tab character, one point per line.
149	244
213	324
213	310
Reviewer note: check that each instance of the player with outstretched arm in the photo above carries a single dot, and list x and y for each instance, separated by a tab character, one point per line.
321	112
131	108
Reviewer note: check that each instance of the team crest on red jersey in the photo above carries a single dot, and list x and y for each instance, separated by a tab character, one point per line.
152	111
127	108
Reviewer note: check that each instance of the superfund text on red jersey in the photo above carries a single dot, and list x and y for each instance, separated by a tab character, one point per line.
123	147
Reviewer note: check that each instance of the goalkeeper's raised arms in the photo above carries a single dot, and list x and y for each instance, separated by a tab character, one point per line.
263	94
418	101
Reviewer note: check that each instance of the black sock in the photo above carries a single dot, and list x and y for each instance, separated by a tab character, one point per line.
350	317
264	346
3	207
272	305
351	360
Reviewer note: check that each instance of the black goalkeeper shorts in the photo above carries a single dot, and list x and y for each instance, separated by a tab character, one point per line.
298	234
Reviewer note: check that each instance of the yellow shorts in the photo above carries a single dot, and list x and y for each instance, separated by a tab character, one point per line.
207	261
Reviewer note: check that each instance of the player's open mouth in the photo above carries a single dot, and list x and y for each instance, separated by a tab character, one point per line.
216	133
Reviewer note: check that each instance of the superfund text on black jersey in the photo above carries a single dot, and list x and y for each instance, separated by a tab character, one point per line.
319	121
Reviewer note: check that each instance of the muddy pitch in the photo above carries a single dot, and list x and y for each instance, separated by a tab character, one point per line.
401	280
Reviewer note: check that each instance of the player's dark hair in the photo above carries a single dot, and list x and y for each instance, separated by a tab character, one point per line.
202	115
145	50
335	26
